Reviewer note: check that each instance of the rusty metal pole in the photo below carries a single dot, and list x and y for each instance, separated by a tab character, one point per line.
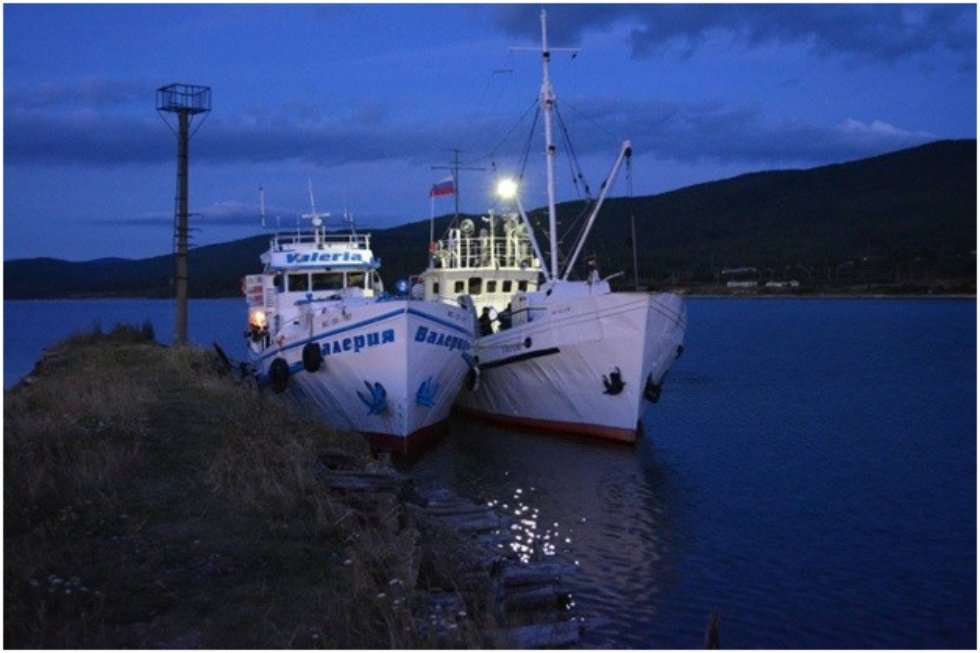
180	263
186	101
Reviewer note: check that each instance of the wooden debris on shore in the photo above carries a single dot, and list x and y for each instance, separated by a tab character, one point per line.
530	605
468	566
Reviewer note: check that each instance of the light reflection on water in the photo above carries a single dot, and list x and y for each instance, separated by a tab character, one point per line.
601	507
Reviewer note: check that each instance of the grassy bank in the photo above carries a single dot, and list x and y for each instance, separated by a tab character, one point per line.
150	500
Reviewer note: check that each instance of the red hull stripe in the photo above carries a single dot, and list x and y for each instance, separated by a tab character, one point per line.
414	442
565	428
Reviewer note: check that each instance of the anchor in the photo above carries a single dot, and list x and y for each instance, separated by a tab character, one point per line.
426	396
614	382
652	390
377	400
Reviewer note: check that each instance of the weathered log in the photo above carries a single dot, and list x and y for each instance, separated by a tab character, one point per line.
439	510
551	635
537	573
535	599
473	523
365	481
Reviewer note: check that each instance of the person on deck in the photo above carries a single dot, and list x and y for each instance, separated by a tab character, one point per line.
486	322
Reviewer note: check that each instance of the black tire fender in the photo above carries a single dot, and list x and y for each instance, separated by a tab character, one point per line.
312	357
279	375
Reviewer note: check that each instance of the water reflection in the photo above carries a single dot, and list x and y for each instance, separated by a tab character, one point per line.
611	510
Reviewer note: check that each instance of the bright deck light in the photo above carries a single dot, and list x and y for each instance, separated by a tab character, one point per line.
507	189
257	319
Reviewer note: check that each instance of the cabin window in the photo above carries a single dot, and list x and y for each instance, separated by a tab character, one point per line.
277	281
492	285
508	285
299	282
328	280
355	279
459	287
476	285
435	287
522	286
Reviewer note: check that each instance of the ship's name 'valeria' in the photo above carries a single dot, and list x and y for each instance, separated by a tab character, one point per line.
433	337
357	343
293	258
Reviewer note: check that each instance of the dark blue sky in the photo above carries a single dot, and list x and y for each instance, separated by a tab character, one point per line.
364	100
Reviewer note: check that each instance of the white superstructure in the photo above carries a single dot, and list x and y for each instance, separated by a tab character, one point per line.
568	356
321	327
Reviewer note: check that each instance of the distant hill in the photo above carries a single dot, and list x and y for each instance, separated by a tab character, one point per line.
901	216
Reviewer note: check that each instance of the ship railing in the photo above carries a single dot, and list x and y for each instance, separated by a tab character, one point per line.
501	252
352	241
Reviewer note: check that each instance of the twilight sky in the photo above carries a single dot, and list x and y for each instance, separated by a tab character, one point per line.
364	100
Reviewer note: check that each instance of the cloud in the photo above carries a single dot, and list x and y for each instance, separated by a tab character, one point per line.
871	32
220	214
89	93
700	132
681	131
90	136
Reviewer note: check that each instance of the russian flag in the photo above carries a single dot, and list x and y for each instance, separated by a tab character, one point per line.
444	187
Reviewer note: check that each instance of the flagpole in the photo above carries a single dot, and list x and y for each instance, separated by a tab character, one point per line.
454	171
432	218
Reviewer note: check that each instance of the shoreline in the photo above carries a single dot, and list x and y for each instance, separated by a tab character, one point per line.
153	500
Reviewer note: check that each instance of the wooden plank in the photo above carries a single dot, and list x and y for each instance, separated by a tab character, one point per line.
537	573
533	599
363	481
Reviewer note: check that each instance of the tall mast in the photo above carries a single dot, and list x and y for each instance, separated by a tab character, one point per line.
547	104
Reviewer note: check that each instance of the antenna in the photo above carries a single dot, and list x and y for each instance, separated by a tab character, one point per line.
262	205
315	218
185	101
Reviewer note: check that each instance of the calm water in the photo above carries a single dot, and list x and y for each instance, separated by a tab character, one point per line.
809	474
30	326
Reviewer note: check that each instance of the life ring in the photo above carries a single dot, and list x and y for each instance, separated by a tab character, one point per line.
312	357
279	375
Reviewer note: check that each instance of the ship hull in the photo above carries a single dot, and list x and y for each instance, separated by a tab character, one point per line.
390	370
584	366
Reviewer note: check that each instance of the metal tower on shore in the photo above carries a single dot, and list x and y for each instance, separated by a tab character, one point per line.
185	101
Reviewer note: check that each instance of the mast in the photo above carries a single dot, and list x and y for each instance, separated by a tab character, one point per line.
454	169
547	104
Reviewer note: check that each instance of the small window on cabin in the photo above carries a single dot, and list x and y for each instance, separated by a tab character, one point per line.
522	286
508	286
435	287
476	285
277	281
328	280
459	287
492	285
355	279
299	282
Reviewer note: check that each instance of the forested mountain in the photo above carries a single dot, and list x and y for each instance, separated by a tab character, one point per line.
907	216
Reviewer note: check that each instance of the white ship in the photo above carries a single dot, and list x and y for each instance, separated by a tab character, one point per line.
566	356
321	327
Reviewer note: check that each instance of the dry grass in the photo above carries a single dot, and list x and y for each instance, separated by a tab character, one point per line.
151	501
